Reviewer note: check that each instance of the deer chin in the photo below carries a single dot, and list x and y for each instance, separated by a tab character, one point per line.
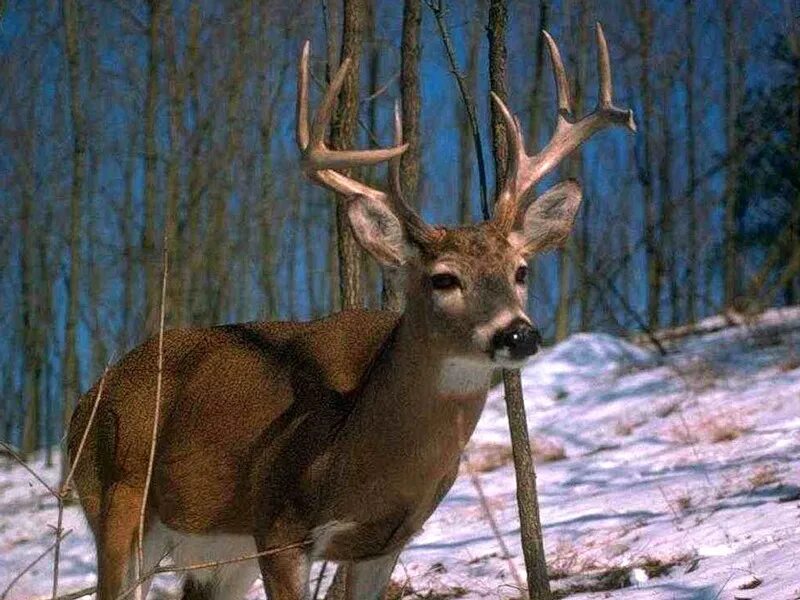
502	360
460	375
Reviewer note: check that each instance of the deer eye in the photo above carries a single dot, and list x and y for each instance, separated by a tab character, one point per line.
445	281
521	275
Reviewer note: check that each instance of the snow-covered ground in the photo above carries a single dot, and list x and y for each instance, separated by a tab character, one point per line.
673	478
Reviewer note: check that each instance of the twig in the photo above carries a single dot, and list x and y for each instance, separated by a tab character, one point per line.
319	580
65	485
437	8
75	460
623	301
206	565
487	511
156	414
33	564
22	462
88	591
59	494
381	90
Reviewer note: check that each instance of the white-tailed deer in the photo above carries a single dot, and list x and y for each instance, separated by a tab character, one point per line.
339	436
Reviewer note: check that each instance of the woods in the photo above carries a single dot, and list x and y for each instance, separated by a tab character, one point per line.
122	121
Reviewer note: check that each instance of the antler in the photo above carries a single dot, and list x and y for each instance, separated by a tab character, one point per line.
525	171
321	164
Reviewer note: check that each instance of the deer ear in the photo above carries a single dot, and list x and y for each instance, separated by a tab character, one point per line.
377	230
547	221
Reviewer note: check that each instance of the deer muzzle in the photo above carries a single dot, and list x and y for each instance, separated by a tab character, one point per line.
517	341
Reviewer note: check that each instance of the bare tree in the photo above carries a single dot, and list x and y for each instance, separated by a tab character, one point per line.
71	366
411	102
691	163
527	499
343	130
651	242
466	153
148	242
733	90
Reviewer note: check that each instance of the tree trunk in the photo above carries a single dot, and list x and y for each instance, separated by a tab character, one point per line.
692	255
177	99
465	148
149	254
194	303
411	103
342	137
527	500
732	94
653	254
71	361
411	99
343	131
31	358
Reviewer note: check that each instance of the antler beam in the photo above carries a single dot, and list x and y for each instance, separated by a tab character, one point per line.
318	161
525	171
322	164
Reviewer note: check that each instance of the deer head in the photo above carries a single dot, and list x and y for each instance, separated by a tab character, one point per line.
465	286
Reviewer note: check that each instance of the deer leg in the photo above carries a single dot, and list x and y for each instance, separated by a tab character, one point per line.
368	579
286	573
118	523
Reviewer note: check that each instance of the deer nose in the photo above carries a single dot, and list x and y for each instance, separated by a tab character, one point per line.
517	341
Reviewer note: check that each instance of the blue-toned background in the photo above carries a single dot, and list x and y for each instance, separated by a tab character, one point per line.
188	107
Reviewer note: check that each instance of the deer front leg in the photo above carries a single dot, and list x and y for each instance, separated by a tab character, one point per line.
286	573
368	579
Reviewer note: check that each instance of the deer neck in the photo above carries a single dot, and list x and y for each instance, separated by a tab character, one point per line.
420	389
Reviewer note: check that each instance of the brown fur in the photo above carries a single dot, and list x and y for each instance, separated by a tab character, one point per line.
279	430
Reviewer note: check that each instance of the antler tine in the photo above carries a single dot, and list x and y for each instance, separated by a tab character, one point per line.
524	171
603	69
317	159
605	103
394	164
301	106
560	75
416	227
322	118
505	207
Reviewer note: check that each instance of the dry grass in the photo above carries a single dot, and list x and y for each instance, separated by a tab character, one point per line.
790	363
680	503
547	449
568	559
699	374
763	476
484	458
667	408
714	428
399	590
616	577
490	456
626	425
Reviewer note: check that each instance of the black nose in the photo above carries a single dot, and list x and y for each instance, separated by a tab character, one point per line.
517	341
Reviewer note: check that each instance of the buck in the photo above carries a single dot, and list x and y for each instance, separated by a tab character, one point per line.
337	438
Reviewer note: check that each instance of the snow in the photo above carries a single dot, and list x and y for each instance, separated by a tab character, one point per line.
680	479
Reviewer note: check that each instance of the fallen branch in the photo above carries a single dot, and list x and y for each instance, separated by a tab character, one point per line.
88	591
59	494
65	485
21	574
205	565
487	511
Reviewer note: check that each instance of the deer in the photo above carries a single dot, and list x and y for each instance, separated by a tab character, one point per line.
333	439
